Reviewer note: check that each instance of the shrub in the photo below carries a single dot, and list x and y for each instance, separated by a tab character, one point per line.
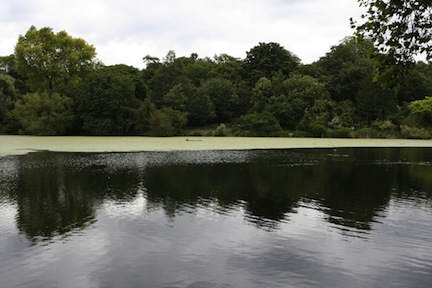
301	134
221	130
43	114
341	133
167	122
386	129
410	132
317	130
311	129
367	133
257	124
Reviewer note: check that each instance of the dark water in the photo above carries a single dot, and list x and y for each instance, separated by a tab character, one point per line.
288	218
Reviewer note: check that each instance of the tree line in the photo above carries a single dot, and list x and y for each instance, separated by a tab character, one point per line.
54	85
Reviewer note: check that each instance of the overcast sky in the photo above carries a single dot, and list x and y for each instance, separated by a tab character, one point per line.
124	31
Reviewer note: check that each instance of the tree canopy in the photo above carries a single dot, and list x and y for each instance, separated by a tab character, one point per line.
267	59
400	29
50	60
53	85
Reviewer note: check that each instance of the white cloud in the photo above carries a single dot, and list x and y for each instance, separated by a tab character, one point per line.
123	31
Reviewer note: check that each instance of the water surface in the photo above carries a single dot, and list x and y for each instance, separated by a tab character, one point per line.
351	217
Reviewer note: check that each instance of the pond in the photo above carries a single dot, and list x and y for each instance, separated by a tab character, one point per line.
329	217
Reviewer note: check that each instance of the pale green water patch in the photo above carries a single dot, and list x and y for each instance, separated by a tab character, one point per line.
17	145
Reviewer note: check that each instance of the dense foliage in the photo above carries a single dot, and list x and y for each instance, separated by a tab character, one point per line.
400	30
53	85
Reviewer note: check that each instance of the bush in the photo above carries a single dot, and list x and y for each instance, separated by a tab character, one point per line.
367	133
313	129
386	129
257	124
221	130
302	134
317	130
414	132
167	122
43	114
341	133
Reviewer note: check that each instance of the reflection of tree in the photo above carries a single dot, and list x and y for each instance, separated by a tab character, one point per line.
353	190
51	199
56	196
58	193
360	187
415	179
265	191
176	186
354	194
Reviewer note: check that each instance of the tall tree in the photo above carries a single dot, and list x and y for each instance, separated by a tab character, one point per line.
223	95
50	60
298	93
400	30
8	95
164	76
345	66
422	110
417	83
107	104
268	59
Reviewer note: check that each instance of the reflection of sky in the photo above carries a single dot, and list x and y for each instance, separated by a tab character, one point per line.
135	242
205	245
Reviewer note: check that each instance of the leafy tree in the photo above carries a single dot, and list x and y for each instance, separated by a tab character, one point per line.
261	94
134	74
400	29
267	59
167	122
344	117
8	95
422	110
170	72
257	124
297	94
223	95
200	108
373	102
345	67
416	84
230	68
107	104
50	60
322	111
305	87
199	70
43	114
143	115
349	72
7	64
177	96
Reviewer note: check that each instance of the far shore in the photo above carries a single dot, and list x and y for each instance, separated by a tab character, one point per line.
18	145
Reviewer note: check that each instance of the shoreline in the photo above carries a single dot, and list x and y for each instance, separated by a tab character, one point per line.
20	145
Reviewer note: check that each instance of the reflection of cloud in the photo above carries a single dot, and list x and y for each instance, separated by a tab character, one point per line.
210	240
204	245
130	208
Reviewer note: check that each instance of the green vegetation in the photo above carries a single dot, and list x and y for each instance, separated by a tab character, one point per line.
54	85
399	31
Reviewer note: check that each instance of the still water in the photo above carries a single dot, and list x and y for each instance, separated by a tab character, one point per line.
353	217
